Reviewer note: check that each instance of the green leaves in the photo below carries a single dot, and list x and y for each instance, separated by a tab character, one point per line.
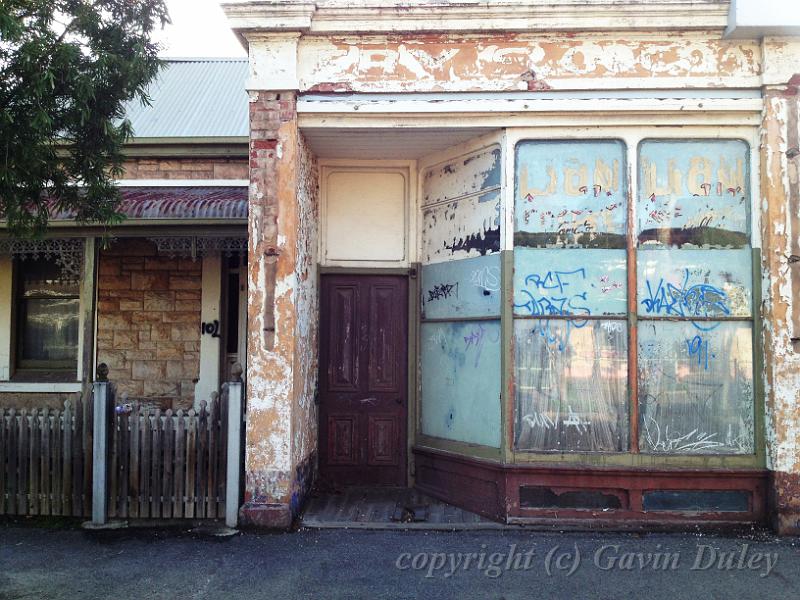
67	68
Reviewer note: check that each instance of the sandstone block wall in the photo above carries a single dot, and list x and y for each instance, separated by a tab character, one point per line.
148	322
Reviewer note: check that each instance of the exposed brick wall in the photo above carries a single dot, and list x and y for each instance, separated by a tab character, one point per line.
148	321
186	168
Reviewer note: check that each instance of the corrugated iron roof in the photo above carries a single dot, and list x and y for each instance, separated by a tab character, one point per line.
195	97
166	203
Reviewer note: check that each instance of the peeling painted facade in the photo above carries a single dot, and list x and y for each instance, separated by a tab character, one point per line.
602	148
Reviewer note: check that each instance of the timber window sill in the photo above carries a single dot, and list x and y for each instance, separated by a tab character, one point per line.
52	387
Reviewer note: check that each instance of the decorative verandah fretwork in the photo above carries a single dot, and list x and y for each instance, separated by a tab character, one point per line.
197	246
67	253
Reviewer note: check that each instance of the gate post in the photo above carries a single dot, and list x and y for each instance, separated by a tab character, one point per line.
234	447
99	448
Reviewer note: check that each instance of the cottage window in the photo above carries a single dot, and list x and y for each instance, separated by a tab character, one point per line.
47	316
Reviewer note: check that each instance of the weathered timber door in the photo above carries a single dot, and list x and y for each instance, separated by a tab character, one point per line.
363	380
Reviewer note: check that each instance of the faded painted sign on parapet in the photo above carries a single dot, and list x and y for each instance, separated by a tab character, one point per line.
695	283
694	193
570	194
555	283
462	288
461	207
460	397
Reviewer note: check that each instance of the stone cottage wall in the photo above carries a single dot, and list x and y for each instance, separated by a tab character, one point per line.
148	322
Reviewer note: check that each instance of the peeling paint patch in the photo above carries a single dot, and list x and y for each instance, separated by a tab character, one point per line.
461	207
429	63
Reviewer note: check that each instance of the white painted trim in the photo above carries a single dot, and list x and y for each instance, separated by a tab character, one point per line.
406	168
42	388
88	289
347	17
210	347
509	172
399	104
6	302
123	183
558	121
273	61
504	96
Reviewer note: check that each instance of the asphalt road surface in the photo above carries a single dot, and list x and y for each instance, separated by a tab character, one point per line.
37	562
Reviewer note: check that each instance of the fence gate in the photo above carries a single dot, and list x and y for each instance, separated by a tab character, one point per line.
165	465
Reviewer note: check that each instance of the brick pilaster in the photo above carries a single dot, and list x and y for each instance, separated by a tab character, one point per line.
271	311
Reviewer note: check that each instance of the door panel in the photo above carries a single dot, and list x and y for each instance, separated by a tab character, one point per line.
343	349
383	442
363	380
383	338
343	439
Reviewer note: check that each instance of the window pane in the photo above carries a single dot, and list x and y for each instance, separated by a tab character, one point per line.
49	330
554	282
695	283
696	387
571	385
462	288
571	194
460	373
694	193
44	278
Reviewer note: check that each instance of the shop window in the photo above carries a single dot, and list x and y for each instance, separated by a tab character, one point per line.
695	273
570	297
46	318
692	264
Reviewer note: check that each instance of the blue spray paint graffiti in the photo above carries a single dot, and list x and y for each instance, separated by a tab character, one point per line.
567	305
683	300
700	348
476	339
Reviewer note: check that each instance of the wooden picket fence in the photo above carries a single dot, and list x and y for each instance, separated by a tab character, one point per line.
152	464
46	461
165	465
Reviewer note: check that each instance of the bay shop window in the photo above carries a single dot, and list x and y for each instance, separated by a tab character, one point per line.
625	316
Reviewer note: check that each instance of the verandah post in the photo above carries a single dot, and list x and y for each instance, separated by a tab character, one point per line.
99	448
234	447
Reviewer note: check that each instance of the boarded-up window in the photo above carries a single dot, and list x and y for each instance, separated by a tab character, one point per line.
460	344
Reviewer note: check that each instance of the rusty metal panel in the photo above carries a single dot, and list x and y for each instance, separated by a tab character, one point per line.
694	193
696	388
553	282
460	368
571	194
571	385
462	288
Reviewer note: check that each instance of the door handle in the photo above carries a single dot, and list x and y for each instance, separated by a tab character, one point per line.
368	400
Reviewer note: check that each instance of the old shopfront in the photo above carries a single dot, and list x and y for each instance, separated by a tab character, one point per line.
535	265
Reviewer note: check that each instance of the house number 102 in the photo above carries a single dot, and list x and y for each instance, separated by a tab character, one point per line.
211	329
